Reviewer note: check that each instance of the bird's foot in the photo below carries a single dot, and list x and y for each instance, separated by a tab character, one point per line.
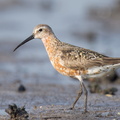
85	111
71	108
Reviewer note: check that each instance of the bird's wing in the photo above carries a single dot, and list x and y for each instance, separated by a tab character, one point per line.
80	58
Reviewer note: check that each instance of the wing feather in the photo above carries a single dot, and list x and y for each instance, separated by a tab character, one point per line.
80	58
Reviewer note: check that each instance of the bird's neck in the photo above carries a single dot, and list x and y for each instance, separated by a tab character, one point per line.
51	44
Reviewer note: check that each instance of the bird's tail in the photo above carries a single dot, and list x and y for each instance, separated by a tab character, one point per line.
112	61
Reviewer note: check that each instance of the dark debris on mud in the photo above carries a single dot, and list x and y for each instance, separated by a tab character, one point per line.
96	88
17	113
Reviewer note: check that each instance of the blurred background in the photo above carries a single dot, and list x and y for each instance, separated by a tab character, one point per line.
91	24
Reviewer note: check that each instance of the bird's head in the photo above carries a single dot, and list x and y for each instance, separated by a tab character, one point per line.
39	32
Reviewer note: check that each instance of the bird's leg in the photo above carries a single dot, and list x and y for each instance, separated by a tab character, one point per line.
86	94
78	96
80	93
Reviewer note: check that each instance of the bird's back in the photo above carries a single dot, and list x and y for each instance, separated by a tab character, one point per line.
72	60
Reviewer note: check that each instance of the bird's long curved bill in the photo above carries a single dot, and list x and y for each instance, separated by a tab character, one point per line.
25	41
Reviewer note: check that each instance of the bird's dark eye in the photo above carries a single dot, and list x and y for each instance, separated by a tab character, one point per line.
40	30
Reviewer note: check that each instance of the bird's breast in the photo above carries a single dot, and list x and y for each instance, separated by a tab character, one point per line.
53	53
62	69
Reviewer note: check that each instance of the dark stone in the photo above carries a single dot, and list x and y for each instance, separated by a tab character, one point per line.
21	88
94	87
110	91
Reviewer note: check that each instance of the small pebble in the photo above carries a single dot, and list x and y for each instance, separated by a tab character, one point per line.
21	88
35	107
40	106
108	95
118	113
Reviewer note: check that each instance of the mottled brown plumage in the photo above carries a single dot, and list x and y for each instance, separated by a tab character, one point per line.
71	60
79	58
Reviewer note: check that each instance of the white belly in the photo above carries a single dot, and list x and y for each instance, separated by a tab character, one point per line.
100	71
